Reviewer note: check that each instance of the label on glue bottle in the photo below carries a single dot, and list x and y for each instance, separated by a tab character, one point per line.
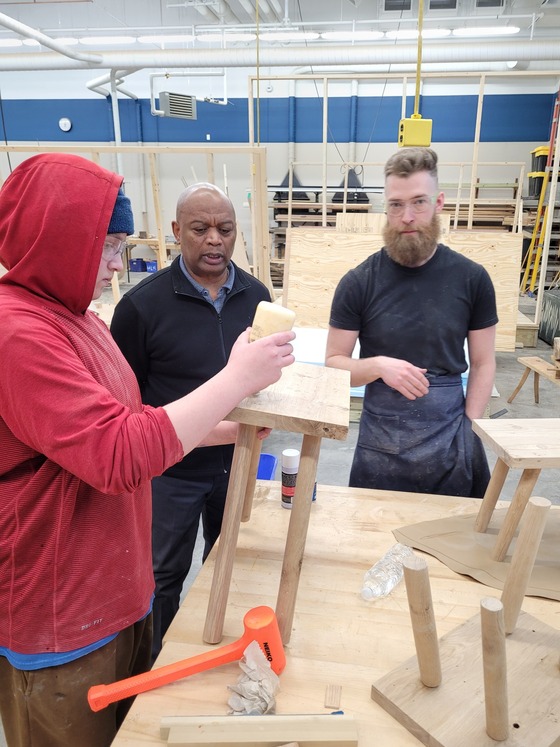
290	466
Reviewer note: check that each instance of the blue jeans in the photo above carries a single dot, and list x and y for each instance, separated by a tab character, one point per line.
177	507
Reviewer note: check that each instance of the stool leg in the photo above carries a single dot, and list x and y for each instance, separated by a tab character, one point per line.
297	535
517	389
251	478
536	387
523	559
219	591
499	474
511	520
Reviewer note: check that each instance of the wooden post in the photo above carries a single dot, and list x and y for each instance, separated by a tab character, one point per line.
523	560
297	534
515	512
214	625
497	480
419	595
495	668
251	478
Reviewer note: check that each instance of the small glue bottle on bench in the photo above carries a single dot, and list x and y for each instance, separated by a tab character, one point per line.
290	466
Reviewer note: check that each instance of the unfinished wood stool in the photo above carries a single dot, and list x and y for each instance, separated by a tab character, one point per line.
308	399
539	367
531	444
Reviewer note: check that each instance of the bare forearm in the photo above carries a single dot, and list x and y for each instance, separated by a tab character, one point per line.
362	370
479	389
251	367
401	375
197	417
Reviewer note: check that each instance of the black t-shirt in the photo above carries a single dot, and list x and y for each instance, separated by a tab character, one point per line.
419	314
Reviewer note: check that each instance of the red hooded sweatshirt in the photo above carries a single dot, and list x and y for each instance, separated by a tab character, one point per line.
77	448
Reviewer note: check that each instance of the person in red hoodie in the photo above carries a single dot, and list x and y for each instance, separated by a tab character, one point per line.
77	453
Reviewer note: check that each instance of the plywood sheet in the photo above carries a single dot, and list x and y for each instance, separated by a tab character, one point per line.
317	258
455	542
453	714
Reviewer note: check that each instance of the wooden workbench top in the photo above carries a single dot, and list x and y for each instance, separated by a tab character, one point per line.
337	638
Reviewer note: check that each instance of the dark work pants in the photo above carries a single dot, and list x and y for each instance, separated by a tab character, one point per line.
49	708
177	507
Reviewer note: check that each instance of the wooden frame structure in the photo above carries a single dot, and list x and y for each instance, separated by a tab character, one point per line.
256	179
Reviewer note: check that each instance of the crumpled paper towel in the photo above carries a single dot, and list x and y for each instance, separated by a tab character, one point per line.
255	690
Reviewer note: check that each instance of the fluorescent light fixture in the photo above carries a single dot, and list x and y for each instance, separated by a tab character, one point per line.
402	34
288	36
486	31
31	43
352	36
169	39
67	41
106	40
233	37
10	42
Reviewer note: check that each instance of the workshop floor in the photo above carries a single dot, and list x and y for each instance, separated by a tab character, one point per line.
336	456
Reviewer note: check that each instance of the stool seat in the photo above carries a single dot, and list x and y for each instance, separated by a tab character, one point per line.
530	444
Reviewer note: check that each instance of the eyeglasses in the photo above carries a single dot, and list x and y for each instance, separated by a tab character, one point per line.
418	204
113	248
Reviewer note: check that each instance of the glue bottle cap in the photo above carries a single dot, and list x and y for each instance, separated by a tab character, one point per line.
290	458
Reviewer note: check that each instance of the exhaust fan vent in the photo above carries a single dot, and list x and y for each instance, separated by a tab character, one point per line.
177	105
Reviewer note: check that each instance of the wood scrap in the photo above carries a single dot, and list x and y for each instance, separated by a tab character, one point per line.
332	696
307	730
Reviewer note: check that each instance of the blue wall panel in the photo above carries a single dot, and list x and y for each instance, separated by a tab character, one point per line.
524	117
38	120
506	118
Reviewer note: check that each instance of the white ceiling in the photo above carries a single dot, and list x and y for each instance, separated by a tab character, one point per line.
536	46
537	19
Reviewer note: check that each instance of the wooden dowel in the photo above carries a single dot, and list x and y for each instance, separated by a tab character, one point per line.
497	480
523	559
419	595
515	512
221	580
251	478
495	668
297	534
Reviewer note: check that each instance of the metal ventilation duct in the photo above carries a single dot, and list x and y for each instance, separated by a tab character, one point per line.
177	105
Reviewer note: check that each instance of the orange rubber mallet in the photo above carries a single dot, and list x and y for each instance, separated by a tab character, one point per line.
260	625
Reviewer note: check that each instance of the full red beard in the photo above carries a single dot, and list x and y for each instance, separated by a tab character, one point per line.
415	250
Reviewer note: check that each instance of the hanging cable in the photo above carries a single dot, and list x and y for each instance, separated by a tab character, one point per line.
418	57
258	74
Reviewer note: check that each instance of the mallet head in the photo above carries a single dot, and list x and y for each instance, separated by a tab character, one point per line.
261	625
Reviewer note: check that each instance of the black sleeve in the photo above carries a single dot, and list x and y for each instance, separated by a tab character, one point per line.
129	332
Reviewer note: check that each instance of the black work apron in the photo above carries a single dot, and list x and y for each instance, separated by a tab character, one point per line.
425	445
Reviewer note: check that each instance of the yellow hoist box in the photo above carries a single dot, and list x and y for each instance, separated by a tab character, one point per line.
415	132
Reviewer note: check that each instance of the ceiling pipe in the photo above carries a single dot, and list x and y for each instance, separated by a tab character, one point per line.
115	77
45	40
497	51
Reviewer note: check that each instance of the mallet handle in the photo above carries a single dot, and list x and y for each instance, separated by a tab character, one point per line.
100	696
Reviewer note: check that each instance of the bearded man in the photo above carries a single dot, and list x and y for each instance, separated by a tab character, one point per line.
412	306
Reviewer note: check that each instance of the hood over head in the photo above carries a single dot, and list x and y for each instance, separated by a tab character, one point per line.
55	211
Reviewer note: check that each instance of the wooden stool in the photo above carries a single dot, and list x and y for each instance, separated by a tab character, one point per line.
308	399
539	367
530	444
